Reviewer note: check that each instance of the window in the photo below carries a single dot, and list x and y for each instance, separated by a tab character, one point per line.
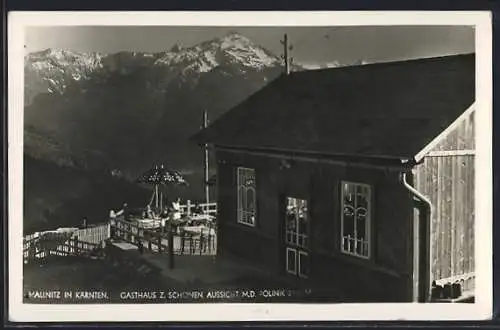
246	196
297	222
297	237
355	219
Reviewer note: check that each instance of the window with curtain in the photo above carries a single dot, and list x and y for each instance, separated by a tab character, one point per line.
246	196
355	219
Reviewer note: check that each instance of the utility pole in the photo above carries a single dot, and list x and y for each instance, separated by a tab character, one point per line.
286	57
205	162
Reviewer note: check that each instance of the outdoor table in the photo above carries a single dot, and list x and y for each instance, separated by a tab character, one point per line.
198	230
148	223
177	222
203	217
200	219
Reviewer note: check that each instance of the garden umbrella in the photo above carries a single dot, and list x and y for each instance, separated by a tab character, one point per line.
158	176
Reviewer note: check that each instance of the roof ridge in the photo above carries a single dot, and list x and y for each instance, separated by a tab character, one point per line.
387	63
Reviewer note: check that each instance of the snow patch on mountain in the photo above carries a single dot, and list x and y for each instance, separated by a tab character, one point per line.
52	70
318	66
246	52
329	65
58	58
210	57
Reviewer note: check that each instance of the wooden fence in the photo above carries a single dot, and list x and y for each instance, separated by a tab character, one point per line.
77	242
188	209
72	247
208	208
157	241
95	234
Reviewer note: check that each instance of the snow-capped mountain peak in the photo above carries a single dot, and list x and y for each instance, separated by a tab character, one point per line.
234	40
241	49
231	48
64	57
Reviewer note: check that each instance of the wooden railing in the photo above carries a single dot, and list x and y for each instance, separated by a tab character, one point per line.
82	241
72	247
157	241
207	208
94	234
77	242
188	209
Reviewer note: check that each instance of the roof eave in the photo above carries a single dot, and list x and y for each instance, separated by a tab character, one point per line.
402	161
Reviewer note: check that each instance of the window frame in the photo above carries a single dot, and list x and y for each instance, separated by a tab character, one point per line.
295	258
368	219
301	252
306	238
239	207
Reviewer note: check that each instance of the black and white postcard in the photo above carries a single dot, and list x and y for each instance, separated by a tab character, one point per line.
236	166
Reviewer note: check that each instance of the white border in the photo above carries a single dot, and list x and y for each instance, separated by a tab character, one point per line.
482	309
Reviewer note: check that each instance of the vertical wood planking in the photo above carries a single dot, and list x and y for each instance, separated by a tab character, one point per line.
453	216
471	215
448	182
445	216
440	224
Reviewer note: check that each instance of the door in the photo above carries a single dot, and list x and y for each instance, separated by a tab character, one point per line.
297	229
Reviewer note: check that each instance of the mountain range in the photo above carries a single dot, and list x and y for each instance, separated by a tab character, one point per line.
123	112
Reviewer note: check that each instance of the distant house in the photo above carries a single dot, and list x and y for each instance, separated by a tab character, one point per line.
357	179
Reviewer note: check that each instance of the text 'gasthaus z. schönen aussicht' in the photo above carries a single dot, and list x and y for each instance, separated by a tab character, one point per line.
204	295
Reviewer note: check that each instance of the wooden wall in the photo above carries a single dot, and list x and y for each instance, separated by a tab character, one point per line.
387	276
447	179
256	245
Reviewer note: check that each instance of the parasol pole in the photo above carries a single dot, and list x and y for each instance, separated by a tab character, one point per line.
156	194
161	201
205	164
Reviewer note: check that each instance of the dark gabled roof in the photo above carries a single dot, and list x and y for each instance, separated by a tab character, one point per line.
387	109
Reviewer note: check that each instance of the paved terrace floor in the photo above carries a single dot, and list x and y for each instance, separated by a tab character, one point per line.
193	269
194	272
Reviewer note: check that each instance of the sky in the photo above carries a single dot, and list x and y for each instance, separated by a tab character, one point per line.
311	45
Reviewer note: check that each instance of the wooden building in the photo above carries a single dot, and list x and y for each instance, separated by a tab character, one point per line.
356	180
